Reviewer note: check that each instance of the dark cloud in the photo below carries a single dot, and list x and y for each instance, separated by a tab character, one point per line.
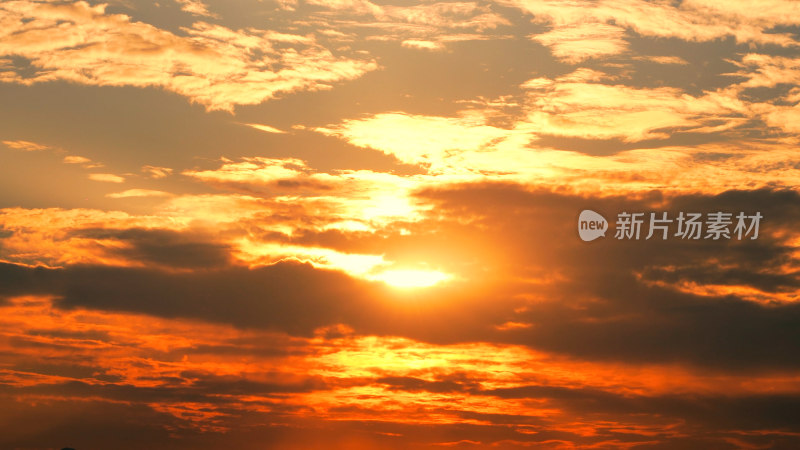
748	412
290	297
602	305
163	247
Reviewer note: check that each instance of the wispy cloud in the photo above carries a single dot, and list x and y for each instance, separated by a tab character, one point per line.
265	128
82	161
195	7
422	44
156	171
106	177
563	107
425	26
584	41
594	29
138	193
25	145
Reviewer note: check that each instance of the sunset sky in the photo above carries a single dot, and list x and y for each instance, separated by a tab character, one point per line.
353	224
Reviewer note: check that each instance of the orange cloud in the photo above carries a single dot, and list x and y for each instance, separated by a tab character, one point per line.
423	140
156	172
701	20
138	193
424	26
584	41
423	45
195	7
106	177
208	376
25	145
564	107
210	64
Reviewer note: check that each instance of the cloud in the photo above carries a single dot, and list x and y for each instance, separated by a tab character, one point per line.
251	301
425	26
628	303
47	236
160	248
584	41
423	140
255	231
578	340
271	209
265	289
106	177
138	193
76	160
25	145
785	118
342	196
767	71
265	128
156	172
422	45
196	381
465	15
195	7
666	60
253	174
604	111
694	21
83	161
471	149
210	64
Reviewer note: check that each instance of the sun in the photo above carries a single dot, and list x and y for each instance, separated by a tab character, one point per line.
411	278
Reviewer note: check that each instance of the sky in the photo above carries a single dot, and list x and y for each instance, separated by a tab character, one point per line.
355	224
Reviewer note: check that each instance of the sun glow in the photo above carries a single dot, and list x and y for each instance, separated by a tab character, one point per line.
411	278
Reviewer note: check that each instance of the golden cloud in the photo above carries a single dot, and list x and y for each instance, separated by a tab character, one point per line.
210	64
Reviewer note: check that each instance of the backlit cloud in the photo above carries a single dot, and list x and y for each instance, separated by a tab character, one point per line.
380	249
603	111
139	193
